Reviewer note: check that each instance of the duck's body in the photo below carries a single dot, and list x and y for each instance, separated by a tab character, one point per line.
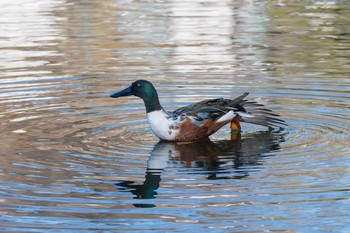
173	127
195	121
198	120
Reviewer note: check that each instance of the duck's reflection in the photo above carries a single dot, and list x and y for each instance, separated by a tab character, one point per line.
221	159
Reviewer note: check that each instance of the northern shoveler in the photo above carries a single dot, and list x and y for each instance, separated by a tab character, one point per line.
199	120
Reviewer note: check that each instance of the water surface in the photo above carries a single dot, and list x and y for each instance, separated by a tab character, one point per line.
73	159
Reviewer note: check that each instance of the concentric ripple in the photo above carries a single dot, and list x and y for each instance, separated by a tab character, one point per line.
97	157
73	159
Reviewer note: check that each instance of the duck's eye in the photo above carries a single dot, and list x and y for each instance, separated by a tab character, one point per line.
138	85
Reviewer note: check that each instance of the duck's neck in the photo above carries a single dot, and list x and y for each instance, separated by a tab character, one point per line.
152	103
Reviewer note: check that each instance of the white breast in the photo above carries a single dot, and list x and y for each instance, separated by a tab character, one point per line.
160	124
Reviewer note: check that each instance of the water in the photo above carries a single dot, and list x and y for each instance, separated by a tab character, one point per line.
74	160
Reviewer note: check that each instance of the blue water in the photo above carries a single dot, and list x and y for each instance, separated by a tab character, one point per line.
75	160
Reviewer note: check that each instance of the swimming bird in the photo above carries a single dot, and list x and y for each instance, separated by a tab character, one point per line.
198	120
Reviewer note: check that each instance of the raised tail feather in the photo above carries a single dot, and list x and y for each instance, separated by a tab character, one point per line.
262	115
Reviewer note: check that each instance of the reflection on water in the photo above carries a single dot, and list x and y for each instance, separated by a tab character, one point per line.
65	144
224	159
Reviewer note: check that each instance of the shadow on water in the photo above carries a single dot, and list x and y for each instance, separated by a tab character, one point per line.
224	159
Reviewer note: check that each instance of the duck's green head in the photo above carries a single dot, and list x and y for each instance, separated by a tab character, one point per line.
143	89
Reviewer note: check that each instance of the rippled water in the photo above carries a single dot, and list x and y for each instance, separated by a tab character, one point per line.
73	159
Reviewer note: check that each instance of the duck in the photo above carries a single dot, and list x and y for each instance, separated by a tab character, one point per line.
198	120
